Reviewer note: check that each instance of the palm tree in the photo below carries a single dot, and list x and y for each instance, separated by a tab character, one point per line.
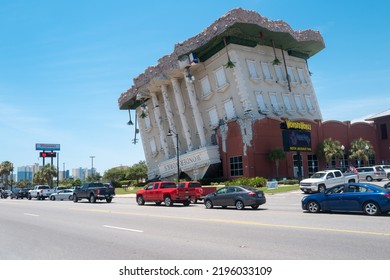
6	168
277	155
329	149
45	175
361	150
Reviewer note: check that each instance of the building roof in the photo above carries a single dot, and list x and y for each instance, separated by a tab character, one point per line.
379	115
238	26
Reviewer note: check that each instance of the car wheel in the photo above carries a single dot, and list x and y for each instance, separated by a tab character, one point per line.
321	188
388	176
255	206
313	206
369	178
371	208
75	198
208	204
140	200
168	201
92	198
29	197
186	203
108	200
52	198
239	205
70	197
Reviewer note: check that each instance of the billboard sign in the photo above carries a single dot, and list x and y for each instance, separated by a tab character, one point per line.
47	147
296	140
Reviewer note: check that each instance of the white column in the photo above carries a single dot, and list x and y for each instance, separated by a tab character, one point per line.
181	108
195	109
157	116
168	112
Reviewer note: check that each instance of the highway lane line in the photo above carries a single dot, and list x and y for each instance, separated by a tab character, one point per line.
29	214
252	223
122	228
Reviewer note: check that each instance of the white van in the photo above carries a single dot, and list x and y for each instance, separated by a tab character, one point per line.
370	173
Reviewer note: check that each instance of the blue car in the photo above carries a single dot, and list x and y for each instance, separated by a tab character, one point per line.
352	197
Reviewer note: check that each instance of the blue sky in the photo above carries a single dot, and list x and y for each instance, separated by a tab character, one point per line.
64	63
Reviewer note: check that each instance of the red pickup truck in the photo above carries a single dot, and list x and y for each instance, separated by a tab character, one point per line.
200	191
166	192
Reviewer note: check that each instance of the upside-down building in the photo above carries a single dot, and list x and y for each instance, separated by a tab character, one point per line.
213	107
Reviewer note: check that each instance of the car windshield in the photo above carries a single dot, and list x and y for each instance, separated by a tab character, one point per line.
318	175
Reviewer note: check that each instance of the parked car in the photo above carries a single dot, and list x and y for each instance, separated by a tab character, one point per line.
386	168
19	193
238	196
323	180
5	193
65	194
352	197
370	173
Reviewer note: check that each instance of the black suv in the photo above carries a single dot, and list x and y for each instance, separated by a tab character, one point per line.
19	193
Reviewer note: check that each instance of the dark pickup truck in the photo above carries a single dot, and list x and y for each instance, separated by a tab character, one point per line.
93	192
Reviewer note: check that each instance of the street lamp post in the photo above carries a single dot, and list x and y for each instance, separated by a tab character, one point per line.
171	133
343	162
368	159
92	157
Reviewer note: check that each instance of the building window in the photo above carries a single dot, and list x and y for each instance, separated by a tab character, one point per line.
301	76
298	101
148	124
312	162
205	84
153	147
236	166
291	75
279	73
252	69
383	131
220	78
309	103
229	109
275	104
266	72
213	115
287	103
261	102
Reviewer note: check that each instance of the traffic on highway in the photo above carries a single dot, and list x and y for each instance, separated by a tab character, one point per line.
278	229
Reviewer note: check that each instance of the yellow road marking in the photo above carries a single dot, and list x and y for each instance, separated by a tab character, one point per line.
238	222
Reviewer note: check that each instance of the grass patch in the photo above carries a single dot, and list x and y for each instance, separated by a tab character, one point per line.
281	189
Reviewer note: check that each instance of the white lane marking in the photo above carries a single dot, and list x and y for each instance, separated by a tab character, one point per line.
29	214
121	228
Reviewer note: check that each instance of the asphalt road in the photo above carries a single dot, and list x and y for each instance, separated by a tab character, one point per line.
122	230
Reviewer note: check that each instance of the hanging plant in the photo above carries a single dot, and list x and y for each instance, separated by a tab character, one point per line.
229	64
130	122
276	61
143	115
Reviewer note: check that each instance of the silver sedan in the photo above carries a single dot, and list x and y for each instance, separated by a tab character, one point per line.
62	195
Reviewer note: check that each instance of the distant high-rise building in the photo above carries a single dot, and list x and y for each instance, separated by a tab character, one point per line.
25	173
